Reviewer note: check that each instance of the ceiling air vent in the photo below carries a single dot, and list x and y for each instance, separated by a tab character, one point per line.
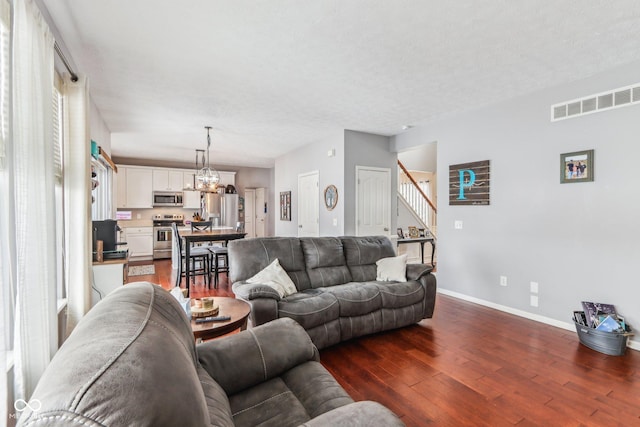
615	98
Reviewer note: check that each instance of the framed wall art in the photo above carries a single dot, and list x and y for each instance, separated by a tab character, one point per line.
330	197
469	183
285	206
577	167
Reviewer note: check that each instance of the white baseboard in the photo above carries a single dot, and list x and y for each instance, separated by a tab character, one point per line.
635	345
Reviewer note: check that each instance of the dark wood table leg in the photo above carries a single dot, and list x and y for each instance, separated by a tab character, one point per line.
433	251
187	254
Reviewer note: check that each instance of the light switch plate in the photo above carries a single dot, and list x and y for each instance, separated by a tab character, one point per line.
534	300
457	225
534	287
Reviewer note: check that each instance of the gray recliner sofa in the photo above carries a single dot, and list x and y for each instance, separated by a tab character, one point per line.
132	361
338	296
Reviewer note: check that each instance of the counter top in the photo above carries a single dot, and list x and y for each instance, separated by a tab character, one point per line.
112	261
135	223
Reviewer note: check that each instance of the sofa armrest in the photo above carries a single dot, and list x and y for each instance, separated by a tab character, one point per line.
249	291
416	271
253	356
365	413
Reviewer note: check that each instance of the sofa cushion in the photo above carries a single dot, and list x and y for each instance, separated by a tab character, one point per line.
275	277
309	308
270	403
248	256
361	254
306	391
356	299
392	268
324	257
217	401
316	389
400	294
107	371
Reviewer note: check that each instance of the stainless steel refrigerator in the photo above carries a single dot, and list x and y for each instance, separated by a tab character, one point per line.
222	209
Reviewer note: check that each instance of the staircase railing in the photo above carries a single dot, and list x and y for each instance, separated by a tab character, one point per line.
418	200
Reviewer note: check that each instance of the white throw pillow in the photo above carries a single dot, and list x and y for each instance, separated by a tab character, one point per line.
274	276
392	269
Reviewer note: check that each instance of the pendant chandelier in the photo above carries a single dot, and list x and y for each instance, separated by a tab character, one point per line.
207	179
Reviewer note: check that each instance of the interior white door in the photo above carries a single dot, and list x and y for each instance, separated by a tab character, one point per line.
250	212
308	204
261	212
373	201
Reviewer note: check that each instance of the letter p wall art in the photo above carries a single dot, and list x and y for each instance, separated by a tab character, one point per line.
469	183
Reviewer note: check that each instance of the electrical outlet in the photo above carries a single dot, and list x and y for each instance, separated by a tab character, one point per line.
534	287
335	222
503	280
138	216
457	225
533	300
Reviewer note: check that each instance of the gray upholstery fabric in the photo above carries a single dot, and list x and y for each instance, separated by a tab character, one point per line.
132	361
256	254
325	262
306	391
340	298
310	308
361	254
356	299
266	352
360	414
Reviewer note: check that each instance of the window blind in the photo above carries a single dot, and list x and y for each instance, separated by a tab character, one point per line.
57	133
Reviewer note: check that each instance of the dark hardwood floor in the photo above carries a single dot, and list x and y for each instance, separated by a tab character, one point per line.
474	366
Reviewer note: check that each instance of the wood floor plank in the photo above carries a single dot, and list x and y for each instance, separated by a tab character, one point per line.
474	366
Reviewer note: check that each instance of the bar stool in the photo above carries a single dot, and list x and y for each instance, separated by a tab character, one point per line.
219	253
196	255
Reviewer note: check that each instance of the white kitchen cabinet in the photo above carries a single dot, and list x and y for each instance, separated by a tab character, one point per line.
188	180
121	187
191	200
107	277
140	242
167	180
139	188
227	178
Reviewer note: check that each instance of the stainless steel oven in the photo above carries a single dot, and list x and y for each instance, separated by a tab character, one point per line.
163	234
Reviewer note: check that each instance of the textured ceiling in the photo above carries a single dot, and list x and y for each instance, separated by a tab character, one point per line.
270	76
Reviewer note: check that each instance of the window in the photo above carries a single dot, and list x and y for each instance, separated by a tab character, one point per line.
58	127
102	195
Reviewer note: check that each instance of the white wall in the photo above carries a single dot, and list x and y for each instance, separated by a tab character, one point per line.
579	241
98	129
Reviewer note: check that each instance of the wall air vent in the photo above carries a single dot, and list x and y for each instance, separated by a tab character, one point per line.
615	98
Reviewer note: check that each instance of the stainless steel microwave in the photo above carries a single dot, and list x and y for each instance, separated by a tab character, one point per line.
167	198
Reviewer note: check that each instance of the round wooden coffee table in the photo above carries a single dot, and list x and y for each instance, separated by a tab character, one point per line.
237	309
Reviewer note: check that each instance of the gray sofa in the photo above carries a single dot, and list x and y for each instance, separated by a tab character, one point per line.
338	296
132	361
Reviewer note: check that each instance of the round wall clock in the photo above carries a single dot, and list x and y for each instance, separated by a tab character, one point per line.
330	197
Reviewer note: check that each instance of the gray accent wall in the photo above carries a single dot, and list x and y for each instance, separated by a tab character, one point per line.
312	157
366	149
579	241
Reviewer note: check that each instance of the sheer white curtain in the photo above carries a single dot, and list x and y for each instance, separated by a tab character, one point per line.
6	281
35	337
77	197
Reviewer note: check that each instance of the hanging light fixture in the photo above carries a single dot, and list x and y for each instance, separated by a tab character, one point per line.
207	179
